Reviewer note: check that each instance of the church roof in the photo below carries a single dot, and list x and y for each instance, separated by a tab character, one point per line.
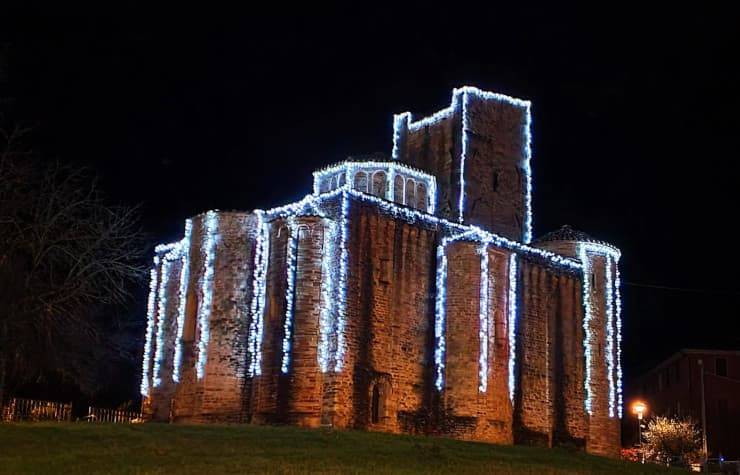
566	233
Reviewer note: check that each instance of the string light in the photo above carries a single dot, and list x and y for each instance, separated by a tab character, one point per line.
204	311
150	315
259	288
327	295
512	300
342	287
618	298
182	298
440	316
610	334
349	169
483	320
161	320
289	294
608	252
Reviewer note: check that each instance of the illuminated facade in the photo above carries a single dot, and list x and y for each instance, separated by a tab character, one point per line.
401	295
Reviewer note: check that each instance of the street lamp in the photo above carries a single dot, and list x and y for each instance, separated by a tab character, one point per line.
639	408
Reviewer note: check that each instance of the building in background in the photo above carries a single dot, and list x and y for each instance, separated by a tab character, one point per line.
402	295
673	388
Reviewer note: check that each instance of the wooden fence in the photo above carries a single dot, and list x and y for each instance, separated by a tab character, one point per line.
31	410
96	414
19	409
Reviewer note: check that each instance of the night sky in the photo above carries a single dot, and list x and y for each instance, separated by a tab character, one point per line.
635	121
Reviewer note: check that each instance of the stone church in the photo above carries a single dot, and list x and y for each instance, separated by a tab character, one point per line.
402	295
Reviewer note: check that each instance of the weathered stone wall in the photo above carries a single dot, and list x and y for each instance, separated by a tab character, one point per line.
603	430
225	370
265	387
163	393
494	172
303	384
387	379
436	149
390	307
495	177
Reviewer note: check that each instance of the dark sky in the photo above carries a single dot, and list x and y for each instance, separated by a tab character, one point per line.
635	120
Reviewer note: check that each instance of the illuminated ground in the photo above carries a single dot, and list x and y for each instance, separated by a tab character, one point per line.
161	448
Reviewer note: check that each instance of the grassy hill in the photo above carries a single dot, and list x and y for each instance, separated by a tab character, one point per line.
161	448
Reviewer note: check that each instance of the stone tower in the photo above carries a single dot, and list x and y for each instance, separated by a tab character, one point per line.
478	148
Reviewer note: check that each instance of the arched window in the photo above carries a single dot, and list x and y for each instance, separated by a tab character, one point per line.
340	181
399	189
421	196
410	193
191	311
361	182
379	184
375	405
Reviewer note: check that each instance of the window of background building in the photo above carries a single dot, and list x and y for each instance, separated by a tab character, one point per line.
668	378
720	367
677	372
722	407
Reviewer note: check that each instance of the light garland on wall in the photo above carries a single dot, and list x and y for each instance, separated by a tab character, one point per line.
327	295
161	320
150	316
512	301
463	156
608	252
483	320
182	298
618	298
440	312
259	288
610	334
587	324
289	293
342	287
349	169
204	310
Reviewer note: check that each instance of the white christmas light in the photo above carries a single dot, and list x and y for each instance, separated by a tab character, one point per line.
182	298
391	169
483	320
204	311
618	299
583	252
289	294
463	155
512	300
610	334
150	316
327	295
259	288
342	284
440	312
161	320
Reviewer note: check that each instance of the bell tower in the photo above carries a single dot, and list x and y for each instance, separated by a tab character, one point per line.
479	150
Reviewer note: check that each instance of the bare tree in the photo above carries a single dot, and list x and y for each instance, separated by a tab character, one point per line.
64	252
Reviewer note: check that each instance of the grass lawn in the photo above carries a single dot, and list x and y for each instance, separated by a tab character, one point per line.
162	448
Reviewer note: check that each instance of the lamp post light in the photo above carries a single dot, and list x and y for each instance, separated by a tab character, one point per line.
639	408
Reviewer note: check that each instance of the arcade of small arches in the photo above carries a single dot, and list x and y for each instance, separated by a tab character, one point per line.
388	181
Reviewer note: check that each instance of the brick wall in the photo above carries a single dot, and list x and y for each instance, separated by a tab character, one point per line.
387	380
